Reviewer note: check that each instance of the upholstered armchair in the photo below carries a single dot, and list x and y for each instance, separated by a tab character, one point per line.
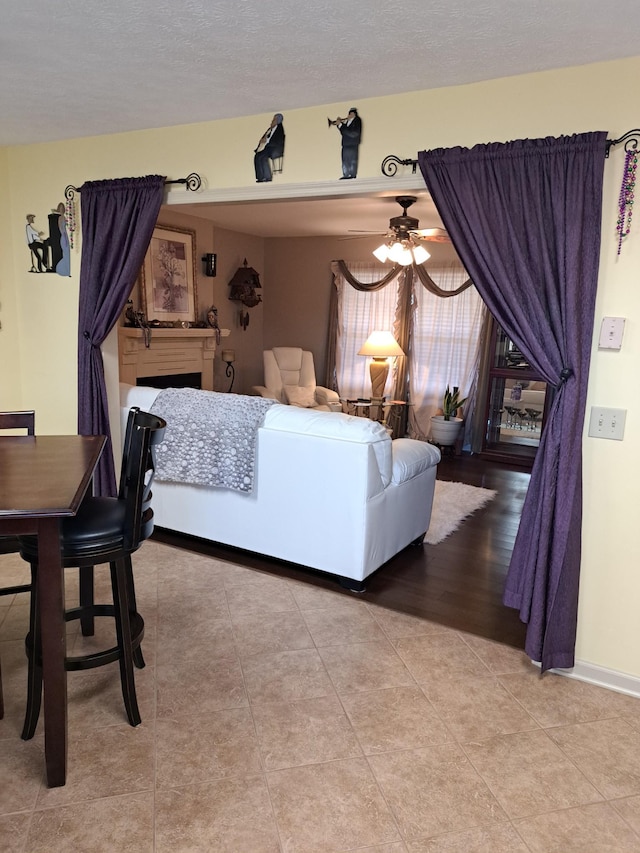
290	378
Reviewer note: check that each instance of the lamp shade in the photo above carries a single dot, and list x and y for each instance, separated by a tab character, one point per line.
382	253
380	345
405	258
398	252
420	254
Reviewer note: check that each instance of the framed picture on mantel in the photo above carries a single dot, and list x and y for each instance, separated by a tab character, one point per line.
168	276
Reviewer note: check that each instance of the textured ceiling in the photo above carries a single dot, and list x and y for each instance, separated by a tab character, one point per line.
319	217
73	68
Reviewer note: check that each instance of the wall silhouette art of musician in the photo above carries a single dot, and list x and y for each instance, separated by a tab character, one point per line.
351	132
59	241
38	245
271	145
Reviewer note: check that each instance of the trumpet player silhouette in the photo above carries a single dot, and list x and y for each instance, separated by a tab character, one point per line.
271	145
351	131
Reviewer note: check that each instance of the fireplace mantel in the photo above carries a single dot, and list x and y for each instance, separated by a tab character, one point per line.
170	352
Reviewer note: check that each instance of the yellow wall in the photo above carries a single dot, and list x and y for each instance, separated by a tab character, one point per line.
545	104
10	385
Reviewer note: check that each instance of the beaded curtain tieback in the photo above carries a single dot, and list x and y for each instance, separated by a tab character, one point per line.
70	219
625	201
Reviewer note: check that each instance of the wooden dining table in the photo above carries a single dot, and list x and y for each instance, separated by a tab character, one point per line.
43	480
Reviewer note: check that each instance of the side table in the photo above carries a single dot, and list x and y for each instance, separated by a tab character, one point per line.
364	408
390	413
396	417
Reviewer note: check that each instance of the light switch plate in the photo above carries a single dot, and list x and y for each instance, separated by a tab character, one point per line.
607	423
611	332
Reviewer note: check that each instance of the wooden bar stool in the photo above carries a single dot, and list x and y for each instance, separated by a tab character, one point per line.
25	420
9	544
105	530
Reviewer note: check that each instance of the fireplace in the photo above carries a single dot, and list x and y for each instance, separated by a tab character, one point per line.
174	357
171	380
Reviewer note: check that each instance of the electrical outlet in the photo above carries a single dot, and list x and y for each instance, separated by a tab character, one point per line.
607	423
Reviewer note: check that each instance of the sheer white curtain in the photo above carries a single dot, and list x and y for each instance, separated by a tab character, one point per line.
445	346
359	314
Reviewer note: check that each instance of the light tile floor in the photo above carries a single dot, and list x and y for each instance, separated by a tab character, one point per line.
279	717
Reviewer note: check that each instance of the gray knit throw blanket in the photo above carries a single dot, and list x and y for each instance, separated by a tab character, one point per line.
210	438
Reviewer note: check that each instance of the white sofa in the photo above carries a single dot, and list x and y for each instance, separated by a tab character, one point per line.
331	492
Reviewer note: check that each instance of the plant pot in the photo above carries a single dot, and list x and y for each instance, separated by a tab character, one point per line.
445	433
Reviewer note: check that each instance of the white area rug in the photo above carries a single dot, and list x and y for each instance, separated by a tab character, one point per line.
452	503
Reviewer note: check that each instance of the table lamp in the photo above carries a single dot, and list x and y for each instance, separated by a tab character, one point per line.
381	346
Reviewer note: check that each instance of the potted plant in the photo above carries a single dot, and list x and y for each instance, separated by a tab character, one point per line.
446	426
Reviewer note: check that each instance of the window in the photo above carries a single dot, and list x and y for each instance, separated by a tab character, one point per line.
360	313
443	336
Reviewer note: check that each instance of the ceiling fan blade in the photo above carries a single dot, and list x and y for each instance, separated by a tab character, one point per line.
361	235
433	235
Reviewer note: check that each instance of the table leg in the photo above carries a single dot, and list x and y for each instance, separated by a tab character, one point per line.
52	626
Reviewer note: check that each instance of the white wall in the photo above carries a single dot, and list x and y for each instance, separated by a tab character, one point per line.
32	179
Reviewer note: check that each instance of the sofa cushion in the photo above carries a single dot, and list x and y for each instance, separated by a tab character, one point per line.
412	457
303	396
334	425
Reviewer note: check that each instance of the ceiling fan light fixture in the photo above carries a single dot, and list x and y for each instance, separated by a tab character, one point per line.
403	242
397	254
420	254
403	252
382	253
406	258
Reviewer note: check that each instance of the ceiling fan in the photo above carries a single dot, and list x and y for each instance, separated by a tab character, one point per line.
403	238
403	226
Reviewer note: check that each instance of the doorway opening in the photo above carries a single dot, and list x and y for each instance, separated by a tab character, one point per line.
430	582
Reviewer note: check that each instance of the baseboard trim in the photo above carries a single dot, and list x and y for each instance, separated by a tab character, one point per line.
601	676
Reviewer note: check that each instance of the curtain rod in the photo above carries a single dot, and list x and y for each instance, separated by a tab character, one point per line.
390	163
630	139
192	183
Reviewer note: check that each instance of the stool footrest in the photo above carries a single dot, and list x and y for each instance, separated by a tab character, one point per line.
14	590
73	663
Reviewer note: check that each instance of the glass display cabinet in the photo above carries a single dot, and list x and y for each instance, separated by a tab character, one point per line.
516	404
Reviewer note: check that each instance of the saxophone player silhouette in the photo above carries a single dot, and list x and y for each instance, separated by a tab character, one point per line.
271	145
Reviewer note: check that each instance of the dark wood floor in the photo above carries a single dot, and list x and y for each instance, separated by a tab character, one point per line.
458	583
